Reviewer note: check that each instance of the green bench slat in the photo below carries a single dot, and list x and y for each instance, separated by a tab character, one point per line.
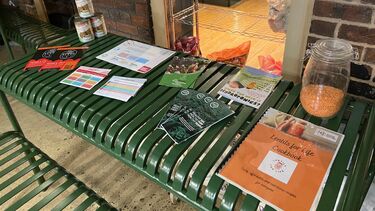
55	193
84	205
338	168
230	198
17	163
26	183
69	199
357	179
27	197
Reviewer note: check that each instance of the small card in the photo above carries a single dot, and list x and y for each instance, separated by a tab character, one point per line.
86	77
183	72
121	88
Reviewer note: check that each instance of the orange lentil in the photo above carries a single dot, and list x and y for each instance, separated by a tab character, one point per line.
321	101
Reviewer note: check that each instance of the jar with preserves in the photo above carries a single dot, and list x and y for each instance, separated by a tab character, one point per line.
326	77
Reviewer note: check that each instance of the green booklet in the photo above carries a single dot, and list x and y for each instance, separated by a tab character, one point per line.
183	72
250	86
190	113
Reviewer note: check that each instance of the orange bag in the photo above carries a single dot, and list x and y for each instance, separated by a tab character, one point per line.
269	64
235	56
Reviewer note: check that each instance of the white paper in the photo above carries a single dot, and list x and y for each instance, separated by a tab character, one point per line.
136	56
120	88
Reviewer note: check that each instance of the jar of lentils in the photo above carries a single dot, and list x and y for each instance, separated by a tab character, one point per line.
326	77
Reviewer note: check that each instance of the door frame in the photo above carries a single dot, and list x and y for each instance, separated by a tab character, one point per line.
299	20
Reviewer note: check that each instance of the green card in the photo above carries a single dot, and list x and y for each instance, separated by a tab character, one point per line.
200	112
183	72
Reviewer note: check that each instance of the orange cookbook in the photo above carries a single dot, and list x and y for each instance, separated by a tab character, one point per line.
284	161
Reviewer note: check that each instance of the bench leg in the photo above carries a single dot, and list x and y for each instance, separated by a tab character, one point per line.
16	126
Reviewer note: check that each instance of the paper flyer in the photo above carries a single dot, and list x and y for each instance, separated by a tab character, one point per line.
136	56
86	77
250	87
191	112
121	88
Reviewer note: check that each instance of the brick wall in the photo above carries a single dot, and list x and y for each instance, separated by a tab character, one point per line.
352	20
130	18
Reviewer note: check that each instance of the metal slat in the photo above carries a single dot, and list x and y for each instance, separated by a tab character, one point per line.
69	199
333	184
18	163
27	197
357	180
25	184
56	192
85	204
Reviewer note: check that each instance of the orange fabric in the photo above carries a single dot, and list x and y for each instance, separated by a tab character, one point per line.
269	64
241	52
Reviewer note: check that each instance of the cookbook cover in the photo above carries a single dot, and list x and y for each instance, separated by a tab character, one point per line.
284	161
250	86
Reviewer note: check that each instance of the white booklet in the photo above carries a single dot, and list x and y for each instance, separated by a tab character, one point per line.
136	56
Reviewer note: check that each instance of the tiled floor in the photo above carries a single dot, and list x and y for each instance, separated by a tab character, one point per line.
214	38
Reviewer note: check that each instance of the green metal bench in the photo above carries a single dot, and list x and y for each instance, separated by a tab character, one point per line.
25	30
127	131
29	179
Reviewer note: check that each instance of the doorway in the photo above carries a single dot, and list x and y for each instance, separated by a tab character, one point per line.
223	27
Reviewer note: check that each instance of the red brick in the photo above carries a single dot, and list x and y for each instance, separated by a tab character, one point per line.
142	9
357	34
370	55
111	25
124	4
347	12
322	28
141	21
127	28
102	3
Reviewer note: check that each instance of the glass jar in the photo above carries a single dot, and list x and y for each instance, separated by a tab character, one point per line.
326	77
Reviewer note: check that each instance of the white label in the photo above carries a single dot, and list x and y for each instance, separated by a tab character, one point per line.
326	135
278	167
97	22
81	3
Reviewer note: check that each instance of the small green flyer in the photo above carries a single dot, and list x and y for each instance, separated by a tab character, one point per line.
183	72
190	113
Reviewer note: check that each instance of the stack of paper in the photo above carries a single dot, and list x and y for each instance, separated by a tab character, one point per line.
136	56
121	88
190	113
86	77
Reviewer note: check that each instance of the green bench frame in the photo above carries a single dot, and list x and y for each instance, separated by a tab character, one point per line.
26	31
127	131
15	152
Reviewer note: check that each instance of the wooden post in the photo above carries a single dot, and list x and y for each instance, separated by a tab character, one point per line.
299	20
41	10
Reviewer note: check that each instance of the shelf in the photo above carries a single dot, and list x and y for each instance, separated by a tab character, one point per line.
228	20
